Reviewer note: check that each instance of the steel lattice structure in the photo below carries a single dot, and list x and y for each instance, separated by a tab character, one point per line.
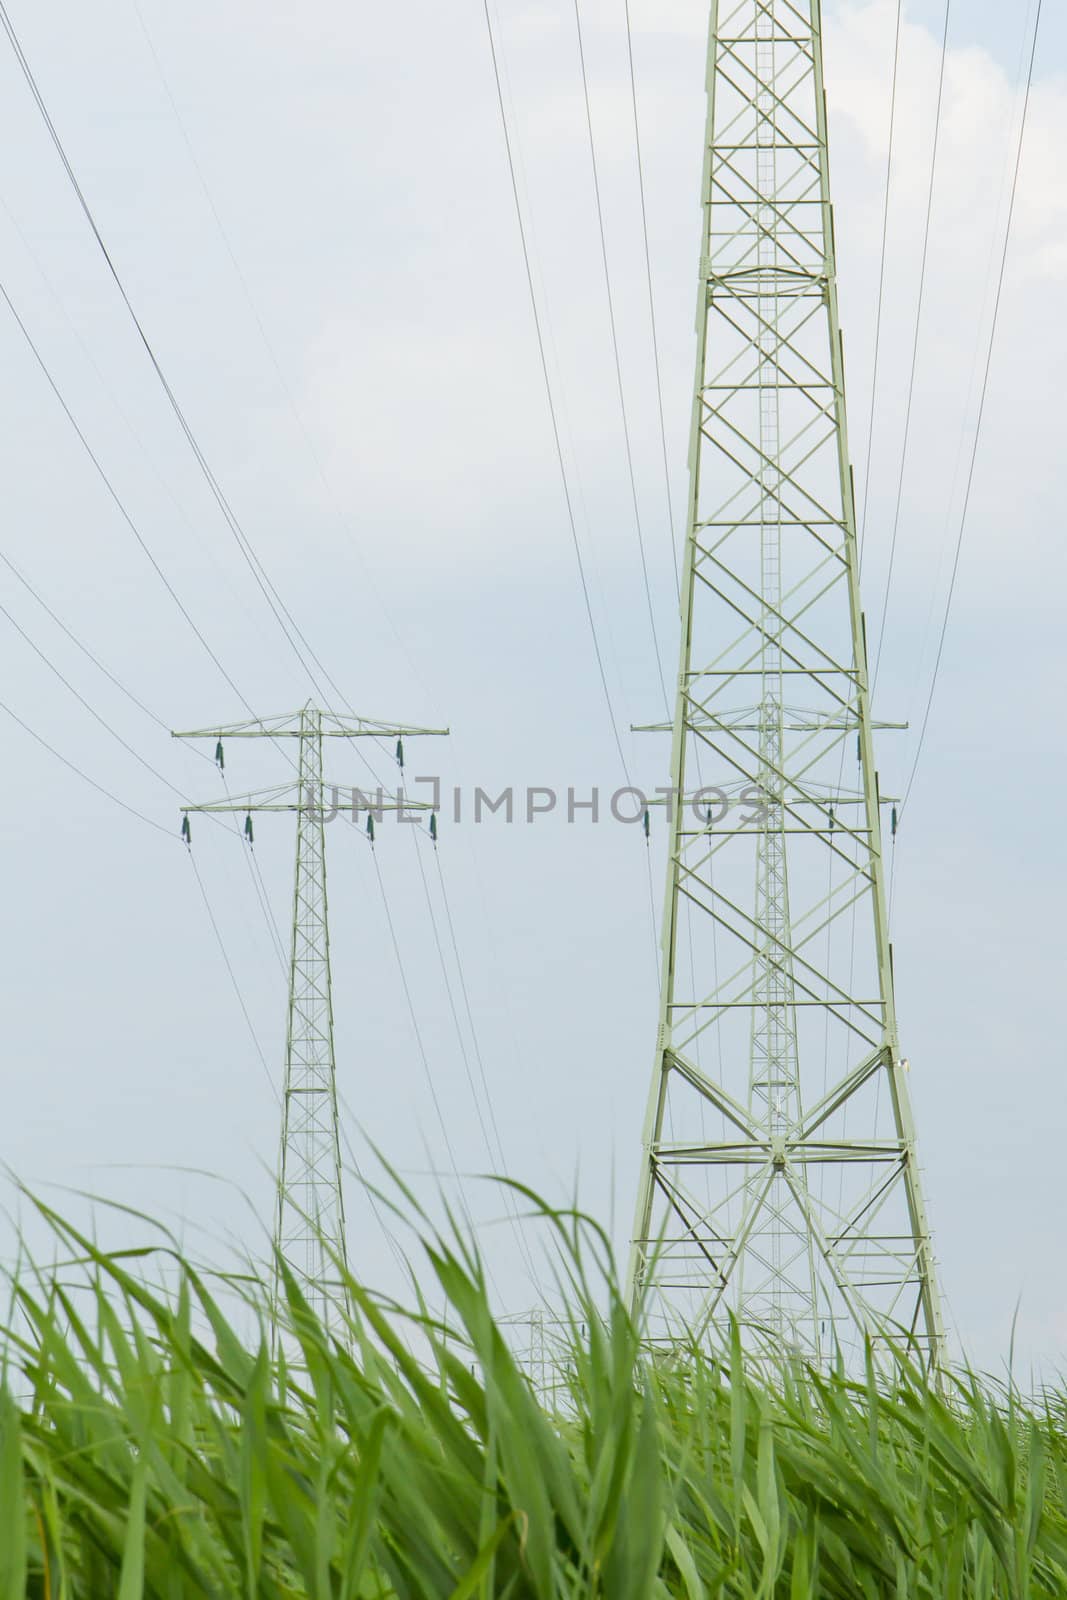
309	1222
779	1172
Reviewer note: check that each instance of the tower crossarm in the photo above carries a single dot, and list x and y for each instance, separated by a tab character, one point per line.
300	798
309	1216
330	726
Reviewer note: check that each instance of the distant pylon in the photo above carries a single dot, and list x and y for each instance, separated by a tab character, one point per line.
779	1174
309	1221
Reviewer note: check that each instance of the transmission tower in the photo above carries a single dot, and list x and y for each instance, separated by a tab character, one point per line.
309	1221
779	1174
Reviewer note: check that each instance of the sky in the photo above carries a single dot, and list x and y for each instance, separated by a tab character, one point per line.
310	208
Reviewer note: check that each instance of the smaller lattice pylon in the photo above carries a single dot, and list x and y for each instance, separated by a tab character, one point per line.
309	1220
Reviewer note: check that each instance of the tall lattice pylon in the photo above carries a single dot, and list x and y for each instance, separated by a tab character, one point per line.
779	1175
309	1221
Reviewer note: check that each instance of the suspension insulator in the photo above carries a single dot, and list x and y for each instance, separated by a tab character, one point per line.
893	822
433	826
187	832
219	757
400	754
370	827
831	819
248	829
648	823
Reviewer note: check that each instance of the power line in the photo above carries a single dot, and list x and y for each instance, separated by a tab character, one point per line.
267	588
548	391
520	1234
615	348
651	301
315	457
270	593
424	1059
262	578
877	325
881	281
368	1189
389	1235
123	511
233	978
273	930
42	656
154	771
84	648
981	409
914	346
269	345
113	492
70	765
976	363
452	1009
269	918
256	874
257	877
122	412
467	1004
663	448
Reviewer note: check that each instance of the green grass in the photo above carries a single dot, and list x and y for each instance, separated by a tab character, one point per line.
155	1452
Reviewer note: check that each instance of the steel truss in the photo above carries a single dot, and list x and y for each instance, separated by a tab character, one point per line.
309	1220
779	1173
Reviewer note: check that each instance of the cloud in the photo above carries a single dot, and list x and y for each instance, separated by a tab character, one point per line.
435	383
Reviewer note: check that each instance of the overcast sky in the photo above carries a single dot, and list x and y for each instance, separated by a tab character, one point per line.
310	207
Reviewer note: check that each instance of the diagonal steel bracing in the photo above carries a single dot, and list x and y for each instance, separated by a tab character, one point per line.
309	1220
779	1175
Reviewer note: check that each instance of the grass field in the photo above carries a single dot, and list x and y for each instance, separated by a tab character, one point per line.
147	1449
